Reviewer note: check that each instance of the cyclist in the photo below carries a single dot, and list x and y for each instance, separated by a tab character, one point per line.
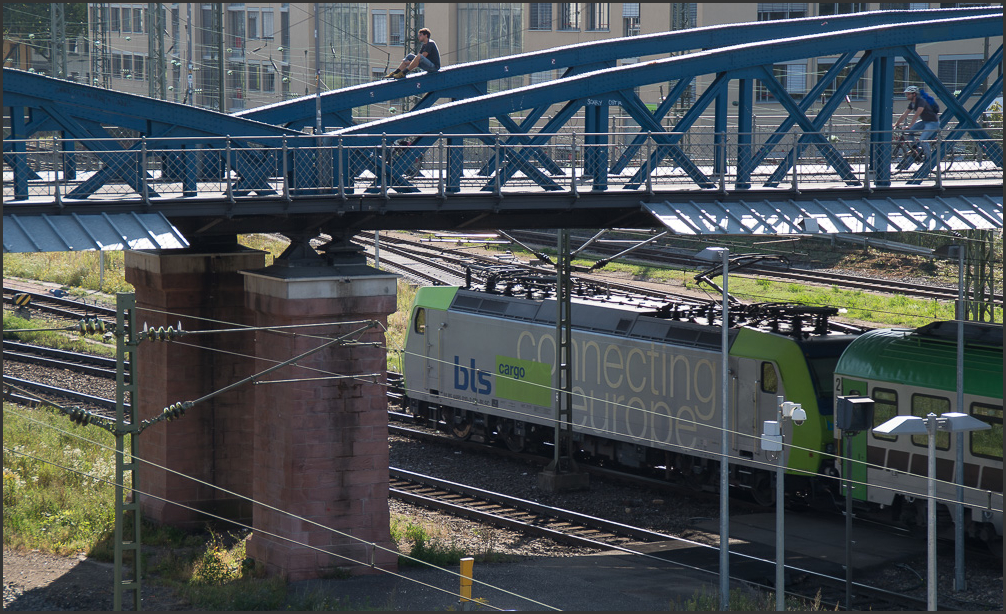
924	121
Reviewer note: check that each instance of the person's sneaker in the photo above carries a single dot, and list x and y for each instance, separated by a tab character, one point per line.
398	75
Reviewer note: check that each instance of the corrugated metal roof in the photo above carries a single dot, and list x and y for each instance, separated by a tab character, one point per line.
837	215
73	232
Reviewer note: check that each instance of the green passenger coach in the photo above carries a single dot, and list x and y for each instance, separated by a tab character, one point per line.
914	372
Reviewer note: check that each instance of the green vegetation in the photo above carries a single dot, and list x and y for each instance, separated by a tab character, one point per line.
427	542
46	505
76	272
398	326
63	340
58	497
745	600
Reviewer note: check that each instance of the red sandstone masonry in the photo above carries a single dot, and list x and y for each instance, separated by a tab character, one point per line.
319	438
204	286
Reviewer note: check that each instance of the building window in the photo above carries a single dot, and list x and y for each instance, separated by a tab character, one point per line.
268	24
793	78
840	8
380	19
630	19
769	11
114	19
254	77
253	18
569	16
396	27
268	78
138	20
905	75
543	76
955	71
597	15
236	33
541	16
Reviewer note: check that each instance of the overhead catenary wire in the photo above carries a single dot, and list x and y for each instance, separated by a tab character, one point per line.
371	379
270	507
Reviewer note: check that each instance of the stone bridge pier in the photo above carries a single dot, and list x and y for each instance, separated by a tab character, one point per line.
307	442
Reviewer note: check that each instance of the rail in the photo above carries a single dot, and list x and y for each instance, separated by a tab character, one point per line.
129	168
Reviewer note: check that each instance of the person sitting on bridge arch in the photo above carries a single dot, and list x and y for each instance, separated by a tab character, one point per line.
428	58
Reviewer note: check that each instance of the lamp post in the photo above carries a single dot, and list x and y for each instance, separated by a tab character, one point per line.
722	254
771	441
954	422
959	252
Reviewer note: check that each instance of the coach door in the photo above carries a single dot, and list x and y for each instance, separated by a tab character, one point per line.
756	401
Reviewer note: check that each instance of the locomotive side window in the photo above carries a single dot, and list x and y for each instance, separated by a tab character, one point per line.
885	407
923	404
988	444
420	321
769	378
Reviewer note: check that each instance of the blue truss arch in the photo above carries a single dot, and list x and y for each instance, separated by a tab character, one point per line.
470	80
731	59
875	45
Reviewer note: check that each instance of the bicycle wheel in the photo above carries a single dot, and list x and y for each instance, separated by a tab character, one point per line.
901	156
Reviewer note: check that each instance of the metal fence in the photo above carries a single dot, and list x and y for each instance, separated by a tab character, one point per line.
130	166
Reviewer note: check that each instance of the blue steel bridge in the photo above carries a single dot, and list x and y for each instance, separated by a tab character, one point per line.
582	150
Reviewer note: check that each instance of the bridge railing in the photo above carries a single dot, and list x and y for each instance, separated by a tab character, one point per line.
50	168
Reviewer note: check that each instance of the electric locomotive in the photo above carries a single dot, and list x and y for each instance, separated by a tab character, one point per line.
646	380
914	372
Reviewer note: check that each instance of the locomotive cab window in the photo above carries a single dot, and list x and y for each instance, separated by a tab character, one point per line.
922	405
988	444
769	378
420	321
885	407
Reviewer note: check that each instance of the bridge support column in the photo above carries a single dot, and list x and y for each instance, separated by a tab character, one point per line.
212	441
321	435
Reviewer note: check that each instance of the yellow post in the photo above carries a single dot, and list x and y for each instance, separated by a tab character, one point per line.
467	564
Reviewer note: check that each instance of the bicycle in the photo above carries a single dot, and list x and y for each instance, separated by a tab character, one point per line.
907	152
403	149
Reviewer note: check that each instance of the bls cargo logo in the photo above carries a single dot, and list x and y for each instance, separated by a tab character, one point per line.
470	378
526	381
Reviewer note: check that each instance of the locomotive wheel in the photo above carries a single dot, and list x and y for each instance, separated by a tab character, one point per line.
763	490
508	433
693	472
459	422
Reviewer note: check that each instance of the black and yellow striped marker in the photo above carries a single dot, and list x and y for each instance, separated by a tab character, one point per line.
22	300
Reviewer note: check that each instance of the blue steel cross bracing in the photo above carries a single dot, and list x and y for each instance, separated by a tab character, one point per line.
742	61
592	81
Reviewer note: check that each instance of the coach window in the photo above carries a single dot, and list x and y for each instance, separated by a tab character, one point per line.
988	444
885	407
420	325
923	405
769	378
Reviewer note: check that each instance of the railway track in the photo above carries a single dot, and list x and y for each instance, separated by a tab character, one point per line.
532	518
60	306
556	523
666	256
